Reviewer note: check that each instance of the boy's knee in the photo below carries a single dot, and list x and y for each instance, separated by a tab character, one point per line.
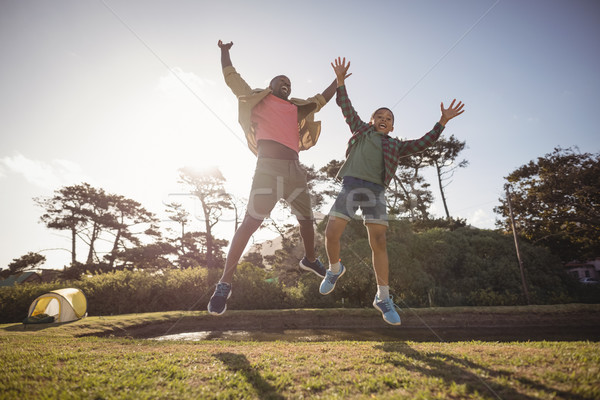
377	240
332	232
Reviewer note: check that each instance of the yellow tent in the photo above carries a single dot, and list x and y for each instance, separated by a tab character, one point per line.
60	305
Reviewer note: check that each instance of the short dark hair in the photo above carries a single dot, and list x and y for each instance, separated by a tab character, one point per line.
383	108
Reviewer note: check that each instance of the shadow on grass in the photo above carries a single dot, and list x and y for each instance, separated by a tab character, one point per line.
239	363
20	327
453	370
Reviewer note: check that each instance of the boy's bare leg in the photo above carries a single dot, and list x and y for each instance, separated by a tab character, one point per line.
377	241
382	302
333	233
238	244
307	232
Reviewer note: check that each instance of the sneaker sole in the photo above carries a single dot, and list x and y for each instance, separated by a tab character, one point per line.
333	287
305	268
224	309
383	316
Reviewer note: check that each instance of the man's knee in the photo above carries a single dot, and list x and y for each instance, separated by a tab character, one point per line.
306	222
251	223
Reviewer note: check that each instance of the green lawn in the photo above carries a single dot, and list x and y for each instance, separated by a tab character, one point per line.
69	362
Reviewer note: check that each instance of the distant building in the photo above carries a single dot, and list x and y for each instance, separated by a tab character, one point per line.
44	275
20	278
586	269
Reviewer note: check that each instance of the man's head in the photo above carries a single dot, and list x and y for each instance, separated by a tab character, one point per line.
281	86
383	120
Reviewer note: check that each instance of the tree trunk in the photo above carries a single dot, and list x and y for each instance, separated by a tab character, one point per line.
438	169
113	253
209	237
73	241
90	258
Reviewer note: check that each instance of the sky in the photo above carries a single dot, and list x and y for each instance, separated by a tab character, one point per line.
121	94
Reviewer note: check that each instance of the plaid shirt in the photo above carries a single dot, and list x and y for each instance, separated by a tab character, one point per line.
393	149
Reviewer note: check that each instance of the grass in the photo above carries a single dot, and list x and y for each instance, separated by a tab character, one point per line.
69	361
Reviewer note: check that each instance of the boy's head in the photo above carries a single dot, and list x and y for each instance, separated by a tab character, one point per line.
281	86
383	120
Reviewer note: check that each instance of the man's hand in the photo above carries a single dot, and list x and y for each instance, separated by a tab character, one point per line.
451	112
225	57
225	46
341	70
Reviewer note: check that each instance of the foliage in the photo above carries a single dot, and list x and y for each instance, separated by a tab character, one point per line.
30	260
256	289
409	195
442	267
87	212
443	154
119	292
555	203
208	187
178	214
152	256
15	300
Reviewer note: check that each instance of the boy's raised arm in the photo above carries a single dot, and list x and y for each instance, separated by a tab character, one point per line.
451	112
343	69
225	57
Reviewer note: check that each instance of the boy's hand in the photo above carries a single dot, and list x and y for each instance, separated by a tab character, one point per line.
225	46
341	70
451	112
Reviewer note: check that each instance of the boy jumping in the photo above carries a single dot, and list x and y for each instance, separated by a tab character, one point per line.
372	157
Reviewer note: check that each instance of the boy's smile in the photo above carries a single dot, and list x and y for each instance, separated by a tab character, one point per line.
383	121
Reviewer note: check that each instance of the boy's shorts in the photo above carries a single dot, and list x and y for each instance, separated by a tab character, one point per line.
355	193
279	179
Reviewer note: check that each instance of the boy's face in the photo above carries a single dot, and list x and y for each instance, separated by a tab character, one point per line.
281	86
383	120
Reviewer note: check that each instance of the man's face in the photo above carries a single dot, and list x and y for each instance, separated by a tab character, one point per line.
281	86
383	121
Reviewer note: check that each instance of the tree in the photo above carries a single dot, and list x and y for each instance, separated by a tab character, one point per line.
88	212
208	187
178	214
30	260
151	256
65	211
409	194
443	154
556	202
123	214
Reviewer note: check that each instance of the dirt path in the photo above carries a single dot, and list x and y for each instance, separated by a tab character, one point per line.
364	324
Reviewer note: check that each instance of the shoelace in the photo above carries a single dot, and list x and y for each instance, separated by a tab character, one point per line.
331	277
389	304
222	290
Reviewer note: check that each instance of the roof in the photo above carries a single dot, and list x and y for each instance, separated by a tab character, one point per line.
20	278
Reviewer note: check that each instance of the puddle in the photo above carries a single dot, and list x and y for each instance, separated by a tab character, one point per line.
295	335
400	333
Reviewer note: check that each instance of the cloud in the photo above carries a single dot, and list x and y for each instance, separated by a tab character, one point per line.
46	175
482	219
178	81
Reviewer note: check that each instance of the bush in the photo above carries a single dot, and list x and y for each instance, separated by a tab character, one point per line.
15	300
119	292
438	267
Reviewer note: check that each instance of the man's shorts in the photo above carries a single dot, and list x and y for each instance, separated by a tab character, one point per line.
279	179
355	193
